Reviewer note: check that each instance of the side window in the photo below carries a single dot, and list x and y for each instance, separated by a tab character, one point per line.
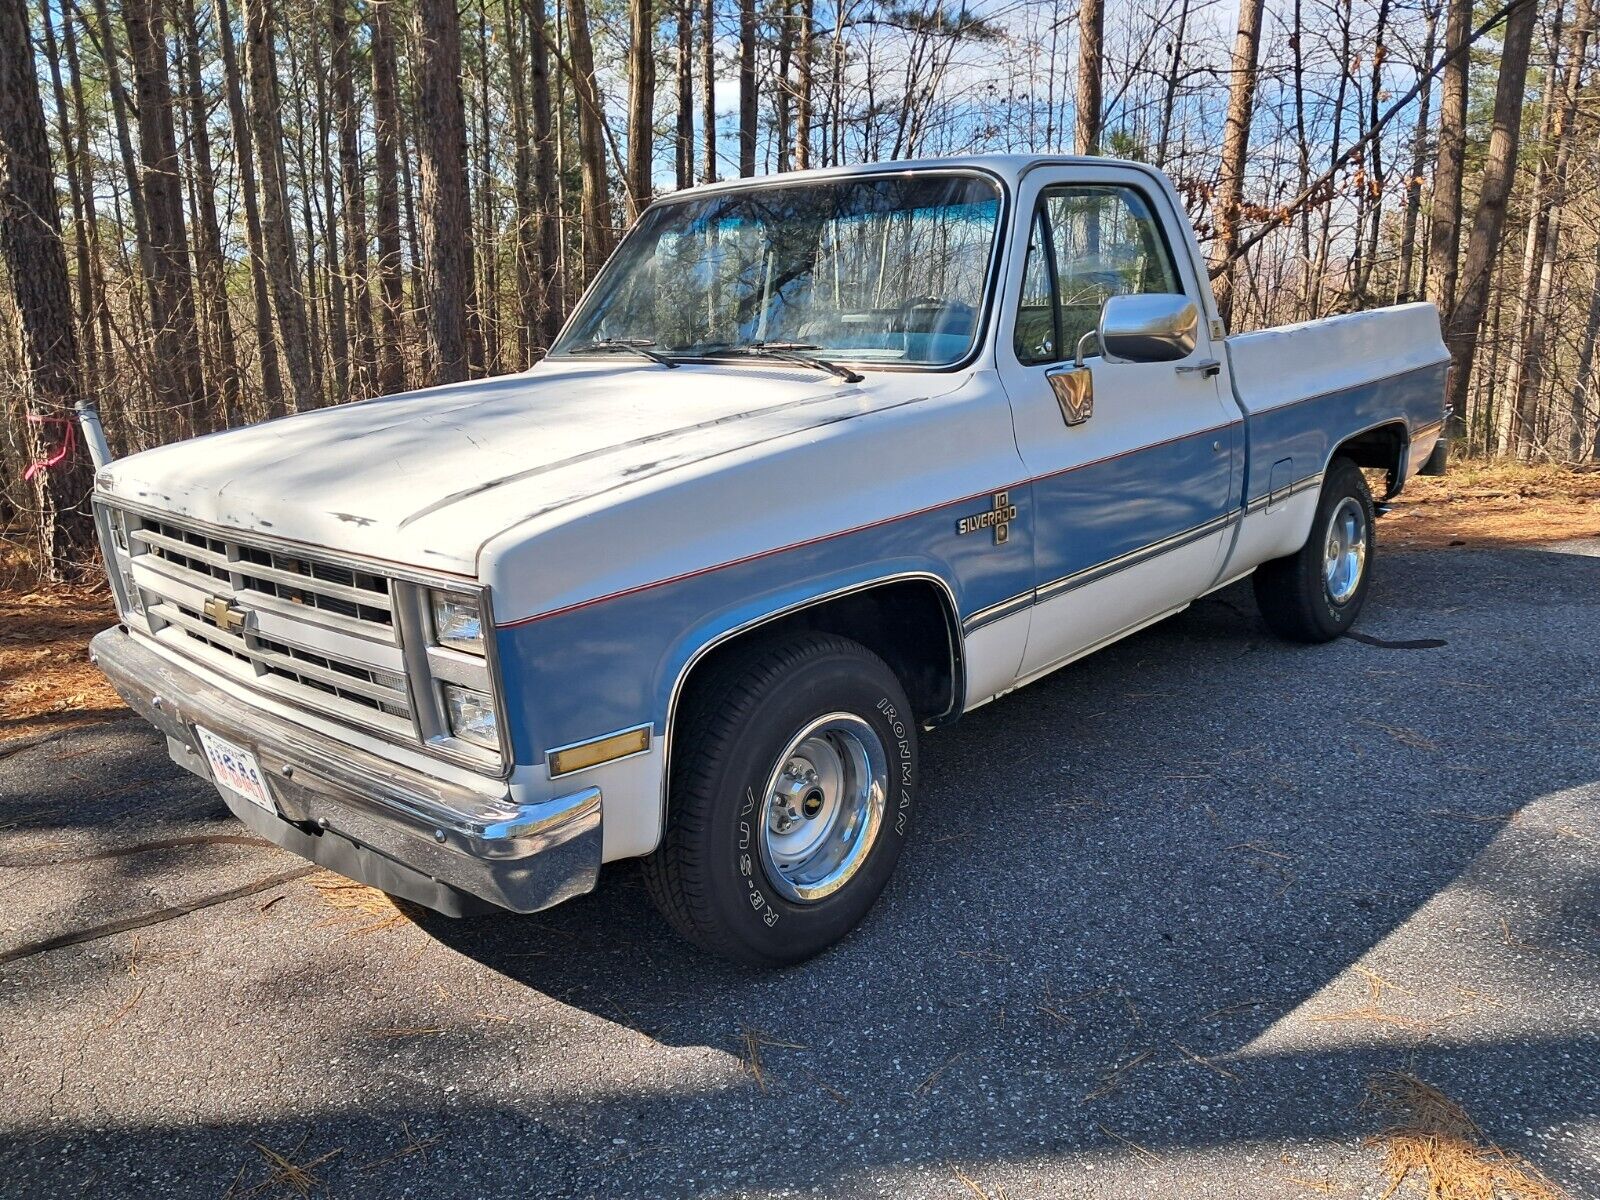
1102	241
1036	336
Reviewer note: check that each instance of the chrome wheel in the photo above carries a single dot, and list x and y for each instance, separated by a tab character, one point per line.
1344	557
824	806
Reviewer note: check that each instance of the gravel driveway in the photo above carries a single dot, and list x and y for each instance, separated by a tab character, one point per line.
1168	912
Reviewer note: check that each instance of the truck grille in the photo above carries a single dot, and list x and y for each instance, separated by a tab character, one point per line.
318	634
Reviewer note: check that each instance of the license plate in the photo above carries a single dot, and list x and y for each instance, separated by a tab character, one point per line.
235	768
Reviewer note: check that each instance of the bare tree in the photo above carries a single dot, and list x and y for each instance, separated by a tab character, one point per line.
30	229
386	161
641	103
266	127
747	88
1091	56
446	239
176	360
1494	189
1235	147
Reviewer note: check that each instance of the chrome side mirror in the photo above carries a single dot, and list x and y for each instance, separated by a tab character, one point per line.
1155	327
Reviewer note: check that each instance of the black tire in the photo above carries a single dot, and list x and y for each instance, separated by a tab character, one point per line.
710	876
1293	593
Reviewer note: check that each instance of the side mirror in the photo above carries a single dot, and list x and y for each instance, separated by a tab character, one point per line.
1155	327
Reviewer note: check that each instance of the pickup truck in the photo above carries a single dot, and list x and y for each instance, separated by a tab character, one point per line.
819	463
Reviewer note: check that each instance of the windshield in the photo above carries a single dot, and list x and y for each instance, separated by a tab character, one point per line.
870	269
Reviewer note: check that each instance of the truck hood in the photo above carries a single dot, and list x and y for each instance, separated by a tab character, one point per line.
425	478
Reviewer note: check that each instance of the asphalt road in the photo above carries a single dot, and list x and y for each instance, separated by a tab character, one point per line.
1134	950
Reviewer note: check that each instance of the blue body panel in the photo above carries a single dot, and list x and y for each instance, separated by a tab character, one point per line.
1098	511
1307	431
613	662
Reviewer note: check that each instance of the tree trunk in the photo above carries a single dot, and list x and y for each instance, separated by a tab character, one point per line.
91	228
597	232
641	103
1169	88
708	87
176	367
30	228
77	187
683	144
1494	188
807	54
209	261
255	239
1445	216
1419	154
1235	147
485	314
1547	229
1585	413
527	239
446	215
386	198
353	184
547	184
747	88
266	126
1091	56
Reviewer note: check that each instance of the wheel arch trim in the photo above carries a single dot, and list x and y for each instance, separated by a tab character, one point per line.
952	620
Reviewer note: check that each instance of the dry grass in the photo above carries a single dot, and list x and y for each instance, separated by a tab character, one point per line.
1433	1144
47	683
1482	504
358	908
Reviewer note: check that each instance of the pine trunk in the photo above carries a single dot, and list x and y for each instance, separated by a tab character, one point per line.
1494	189
446	214
386	192
266	127
1235	148
30	230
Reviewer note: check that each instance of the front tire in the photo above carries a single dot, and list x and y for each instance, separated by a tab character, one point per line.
793	783
1315	594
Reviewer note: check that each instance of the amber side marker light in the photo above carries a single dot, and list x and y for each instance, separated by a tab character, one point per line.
602	750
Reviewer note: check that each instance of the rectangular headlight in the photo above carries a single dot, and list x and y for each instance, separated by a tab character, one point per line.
457	622
471	716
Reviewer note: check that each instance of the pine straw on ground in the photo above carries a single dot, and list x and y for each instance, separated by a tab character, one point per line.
48	685
1481	504
1435	1145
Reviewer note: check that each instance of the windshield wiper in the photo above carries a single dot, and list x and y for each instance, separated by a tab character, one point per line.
639	346
790	352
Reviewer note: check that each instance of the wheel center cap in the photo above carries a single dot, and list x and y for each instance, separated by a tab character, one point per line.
811	805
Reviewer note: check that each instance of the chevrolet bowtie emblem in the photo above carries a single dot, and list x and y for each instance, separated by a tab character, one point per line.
998	518
221	613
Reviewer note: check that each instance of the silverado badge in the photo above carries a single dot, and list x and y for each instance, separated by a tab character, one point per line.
998	518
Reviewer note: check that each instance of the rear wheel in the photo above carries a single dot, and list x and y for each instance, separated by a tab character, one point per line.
1315	594
793	782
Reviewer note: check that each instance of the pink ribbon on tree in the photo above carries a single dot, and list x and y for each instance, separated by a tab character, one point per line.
63	450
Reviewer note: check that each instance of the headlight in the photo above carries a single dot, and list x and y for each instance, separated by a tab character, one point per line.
457	622
471	716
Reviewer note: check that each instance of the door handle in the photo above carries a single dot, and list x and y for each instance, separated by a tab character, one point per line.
1207	368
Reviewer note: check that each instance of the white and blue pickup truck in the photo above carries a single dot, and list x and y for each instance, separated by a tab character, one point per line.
820	462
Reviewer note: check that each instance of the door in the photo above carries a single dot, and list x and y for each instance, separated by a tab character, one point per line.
1131	479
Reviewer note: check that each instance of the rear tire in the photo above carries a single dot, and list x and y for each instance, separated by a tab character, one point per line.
793	781
1315	594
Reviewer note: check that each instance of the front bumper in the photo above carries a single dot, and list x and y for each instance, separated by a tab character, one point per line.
436	842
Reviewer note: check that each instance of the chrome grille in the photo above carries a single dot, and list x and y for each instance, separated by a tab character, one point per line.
318	634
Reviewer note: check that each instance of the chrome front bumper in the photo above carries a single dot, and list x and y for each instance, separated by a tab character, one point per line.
426	839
